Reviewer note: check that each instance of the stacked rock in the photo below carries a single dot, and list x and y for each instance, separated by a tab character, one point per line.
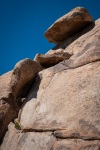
61	110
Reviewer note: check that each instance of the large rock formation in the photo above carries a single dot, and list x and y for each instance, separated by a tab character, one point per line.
61	110
14	85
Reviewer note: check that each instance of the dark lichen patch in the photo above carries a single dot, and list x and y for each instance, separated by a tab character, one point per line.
76	135
86	127
54	123
91	147
62	147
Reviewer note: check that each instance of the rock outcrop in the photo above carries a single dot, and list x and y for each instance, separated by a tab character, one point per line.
68	25
61	110
66	95
14	85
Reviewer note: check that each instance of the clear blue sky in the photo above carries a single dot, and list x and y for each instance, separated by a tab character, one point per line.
23	23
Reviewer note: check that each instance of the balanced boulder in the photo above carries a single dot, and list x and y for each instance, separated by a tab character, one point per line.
68	25
23	73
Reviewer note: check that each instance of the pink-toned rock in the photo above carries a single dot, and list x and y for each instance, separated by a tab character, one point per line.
85	49
16	140
66	100
61	111
63	101
8	111
68	92
76	144
68	25
12	85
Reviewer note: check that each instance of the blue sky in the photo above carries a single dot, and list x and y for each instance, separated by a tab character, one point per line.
23	23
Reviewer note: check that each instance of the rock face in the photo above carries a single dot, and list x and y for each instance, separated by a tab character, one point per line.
61	110
67	90
14	139
12	85
68	25
8	109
